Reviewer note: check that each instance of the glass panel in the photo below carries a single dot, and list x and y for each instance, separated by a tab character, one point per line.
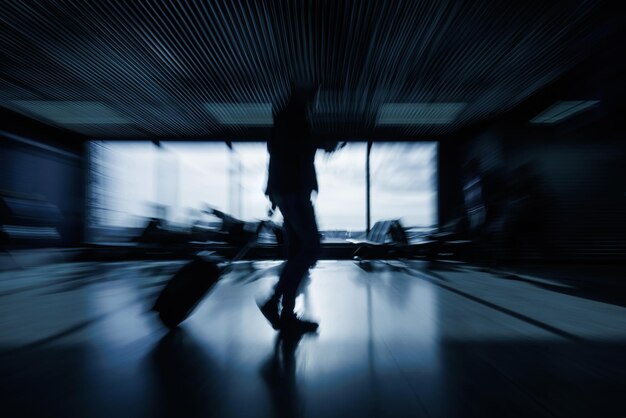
404	184
251	159
130	182
121	187
200	172
340	205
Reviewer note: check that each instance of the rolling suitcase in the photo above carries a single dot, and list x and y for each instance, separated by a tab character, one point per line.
190	284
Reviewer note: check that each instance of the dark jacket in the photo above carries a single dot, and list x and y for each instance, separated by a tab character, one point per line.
292	153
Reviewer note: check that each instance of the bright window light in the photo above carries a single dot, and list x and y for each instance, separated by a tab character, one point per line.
404	183
133	181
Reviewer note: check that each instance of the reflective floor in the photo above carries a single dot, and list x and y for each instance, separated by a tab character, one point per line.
396	339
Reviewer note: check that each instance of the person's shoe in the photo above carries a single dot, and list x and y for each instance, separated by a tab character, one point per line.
291	324
269	310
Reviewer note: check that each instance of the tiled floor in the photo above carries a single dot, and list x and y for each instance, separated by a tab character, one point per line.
396	339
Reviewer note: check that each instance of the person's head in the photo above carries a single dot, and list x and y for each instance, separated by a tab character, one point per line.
302	93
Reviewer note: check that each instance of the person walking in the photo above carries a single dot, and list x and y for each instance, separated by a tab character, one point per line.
291	180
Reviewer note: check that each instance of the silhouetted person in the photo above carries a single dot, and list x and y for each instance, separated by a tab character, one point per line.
291	180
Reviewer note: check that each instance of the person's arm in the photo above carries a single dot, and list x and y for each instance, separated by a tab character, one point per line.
331	146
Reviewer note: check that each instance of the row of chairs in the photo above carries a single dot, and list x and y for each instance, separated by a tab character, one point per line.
389	239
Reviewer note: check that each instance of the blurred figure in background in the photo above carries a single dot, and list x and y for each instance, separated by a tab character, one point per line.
485	205
526	208
291	180
473	196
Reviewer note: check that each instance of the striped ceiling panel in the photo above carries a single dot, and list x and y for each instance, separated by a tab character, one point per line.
181	69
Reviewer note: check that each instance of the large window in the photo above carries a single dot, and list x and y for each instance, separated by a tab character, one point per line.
130	182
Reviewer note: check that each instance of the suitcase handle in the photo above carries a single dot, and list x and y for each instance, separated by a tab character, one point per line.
226	265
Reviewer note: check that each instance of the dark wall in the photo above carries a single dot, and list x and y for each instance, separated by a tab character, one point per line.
575	169
449	182
585	188
34	169
578	191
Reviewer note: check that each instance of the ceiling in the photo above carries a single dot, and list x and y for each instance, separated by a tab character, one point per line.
179	69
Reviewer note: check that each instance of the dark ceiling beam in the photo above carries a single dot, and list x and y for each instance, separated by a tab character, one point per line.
20	125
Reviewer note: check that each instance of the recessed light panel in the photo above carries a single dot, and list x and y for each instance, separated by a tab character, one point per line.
562	110
70	112
403	114
248	114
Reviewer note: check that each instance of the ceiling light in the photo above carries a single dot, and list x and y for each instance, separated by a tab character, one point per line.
248	114
70	112
397	114
562	110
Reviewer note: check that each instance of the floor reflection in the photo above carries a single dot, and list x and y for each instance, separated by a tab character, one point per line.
186	378
280	376
396	339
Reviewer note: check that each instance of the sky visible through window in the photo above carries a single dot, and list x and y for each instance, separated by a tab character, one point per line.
132	181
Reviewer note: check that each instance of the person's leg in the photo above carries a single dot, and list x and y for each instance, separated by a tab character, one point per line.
271	308
300	216
303	242
293	246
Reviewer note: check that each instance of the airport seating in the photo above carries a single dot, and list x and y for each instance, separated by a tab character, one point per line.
28	220
387	238
451	239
